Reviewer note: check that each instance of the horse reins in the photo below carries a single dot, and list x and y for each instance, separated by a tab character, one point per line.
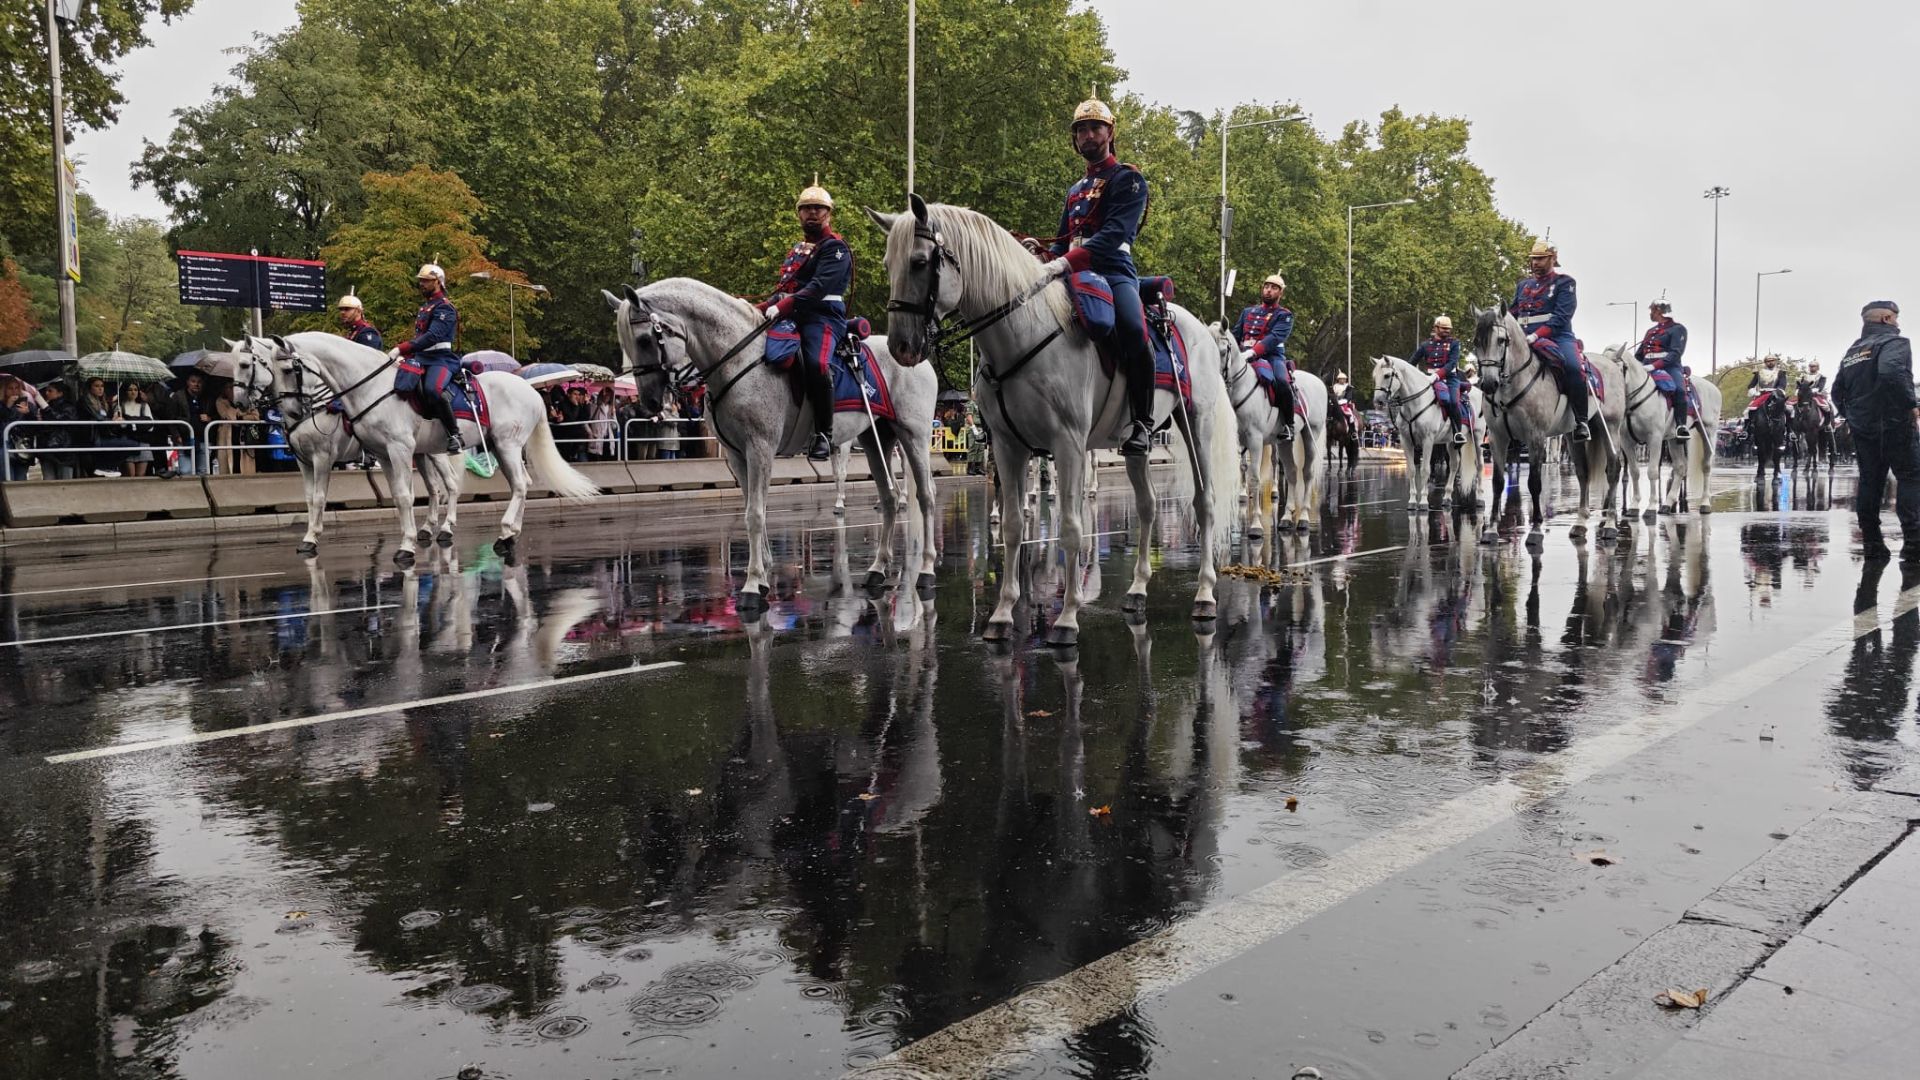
686	376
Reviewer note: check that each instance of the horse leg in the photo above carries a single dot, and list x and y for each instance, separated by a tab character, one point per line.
400	476
880	459
1496	493
1316	470
1010	467
425	533
756	470
1070	488
1198	435
1144	509
512	461
841	451
1254	480
1536	454
314	471
922	474
452	474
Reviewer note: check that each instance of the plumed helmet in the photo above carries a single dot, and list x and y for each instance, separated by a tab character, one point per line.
1541	247
814	195
1441	322
350	302
1094	109
431	270
1663	306
1340	377
1275	279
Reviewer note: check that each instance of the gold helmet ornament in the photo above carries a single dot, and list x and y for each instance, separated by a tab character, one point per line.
1094	109
431	270
1441	322
1541	247
350	302
1275	279
814	195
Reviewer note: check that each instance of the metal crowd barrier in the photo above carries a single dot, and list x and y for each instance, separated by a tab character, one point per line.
679	441
7	448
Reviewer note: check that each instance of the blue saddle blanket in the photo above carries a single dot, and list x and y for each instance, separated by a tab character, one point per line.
1665	383
849	388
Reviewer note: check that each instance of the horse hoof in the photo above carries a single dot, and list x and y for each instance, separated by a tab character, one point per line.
749	601
997	632
1133	601
1205	610
1605	534
1536	542
875	581
1205	627
749	614
423	536
444	538
503	545
1063	637
1705	509
1490	537
306	547
403	559
1650	517
924	583
1255	532
839	511
1578	532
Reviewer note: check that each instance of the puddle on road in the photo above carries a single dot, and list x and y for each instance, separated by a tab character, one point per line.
840	827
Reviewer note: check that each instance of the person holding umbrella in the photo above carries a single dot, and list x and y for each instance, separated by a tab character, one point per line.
18	402
353	322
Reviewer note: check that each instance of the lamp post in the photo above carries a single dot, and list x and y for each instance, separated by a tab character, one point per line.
1226	213
1630	305
513	326
1756	306
60	13
1716	193
1350	210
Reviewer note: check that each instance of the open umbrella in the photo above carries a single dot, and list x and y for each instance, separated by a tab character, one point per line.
623	387
188	359
116	366
221	365
594	372
35	365
947	396
12	384
547	374
490	360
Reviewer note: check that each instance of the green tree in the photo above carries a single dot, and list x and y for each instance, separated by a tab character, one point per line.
425	216
104	32
131	298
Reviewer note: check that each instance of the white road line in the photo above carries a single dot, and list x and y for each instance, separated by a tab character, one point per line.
1154	965
141	584
1376	502
353	714
193	626
1351	555
835	528
1083	536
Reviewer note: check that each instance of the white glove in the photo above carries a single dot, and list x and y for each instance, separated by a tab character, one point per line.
393	353
1059	268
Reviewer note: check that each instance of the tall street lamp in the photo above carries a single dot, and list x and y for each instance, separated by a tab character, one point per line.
1350	210
1632	320
513	326
1226	212
1756	307
1716	193
60	14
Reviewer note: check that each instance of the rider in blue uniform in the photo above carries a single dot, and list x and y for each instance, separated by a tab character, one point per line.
1544	303
1661	351
1262	330
353	320
1097	229
1440	355
435	326
814	280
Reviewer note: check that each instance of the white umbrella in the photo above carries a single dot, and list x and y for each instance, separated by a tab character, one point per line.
549	378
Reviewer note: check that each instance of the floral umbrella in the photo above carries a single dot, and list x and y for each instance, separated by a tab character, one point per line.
594	372
547	374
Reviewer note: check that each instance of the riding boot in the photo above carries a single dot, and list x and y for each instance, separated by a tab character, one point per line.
452	424
1139	440
820	394
1283	400
1459	436
1681	429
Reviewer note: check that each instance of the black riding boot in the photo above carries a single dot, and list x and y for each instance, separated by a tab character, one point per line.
1576	390
451	422
820	394
1681	429
1459	436
1139	440
1283	400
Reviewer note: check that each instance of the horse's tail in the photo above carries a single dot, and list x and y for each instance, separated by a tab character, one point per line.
1222	452
551	471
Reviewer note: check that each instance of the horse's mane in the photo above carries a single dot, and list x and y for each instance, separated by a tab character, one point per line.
992	263
697	299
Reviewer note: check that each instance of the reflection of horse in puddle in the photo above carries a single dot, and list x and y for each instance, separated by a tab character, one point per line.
1685	604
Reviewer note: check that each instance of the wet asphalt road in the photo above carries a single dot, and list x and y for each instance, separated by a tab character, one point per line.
1364	811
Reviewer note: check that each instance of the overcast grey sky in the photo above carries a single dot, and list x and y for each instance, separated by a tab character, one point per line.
1605	122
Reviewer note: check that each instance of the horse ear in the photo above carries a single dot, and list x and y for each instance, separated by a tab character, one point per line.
632	296
613	302
280	343
885	221
919	207
232	345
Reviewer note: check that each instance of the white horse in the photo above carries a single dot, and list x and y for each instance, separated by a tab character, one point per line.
1525	405
1648	422
1303	465
680	331
841	453
1041	389
362	378
1408	396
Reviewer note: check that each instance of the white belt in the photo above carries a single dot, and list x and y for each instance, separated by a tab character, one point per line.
1533	320
833	299
1658	355
444	346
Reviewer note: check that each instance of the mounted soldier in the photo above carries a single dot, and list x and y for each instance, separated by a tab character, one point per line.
1262	330
1104	211
1440	355
1544	303
353	320
814	281
1661	349
1813	387
428	360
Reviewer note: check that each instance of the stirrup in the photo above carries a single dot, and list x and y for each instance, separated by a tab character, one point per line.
1285	432
1459	437
821	448
1139	440
454	443
1579	432
1684	433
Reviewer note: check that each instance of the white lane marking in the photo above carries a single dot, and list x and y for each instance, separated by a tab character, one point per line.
1376	502
353	714
141	584
1154	965
1083	536
834	528
193	626
1350	555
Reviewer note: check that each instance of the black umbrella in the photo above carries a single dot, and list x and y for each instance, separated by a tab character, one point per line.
188	359
35	365
953	395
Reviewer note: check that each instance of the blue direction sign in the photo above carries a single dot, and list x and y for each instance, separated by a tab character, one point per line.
217	279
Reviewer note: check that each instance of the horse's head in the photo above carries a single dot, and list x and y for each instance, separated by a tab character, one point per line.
653	345
1386	381
923	280
266	370
1495	333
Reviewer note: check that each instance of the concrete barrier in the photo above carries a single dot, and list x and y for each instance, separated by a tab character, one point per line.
681	475
53	502
264	493
612	476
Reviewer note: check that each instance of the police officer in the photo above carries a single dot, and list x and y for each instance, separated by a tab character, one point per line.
353	320
1874	391
814	280
1544	302
1262	330
1440	354
1102	217
1661	350
435	326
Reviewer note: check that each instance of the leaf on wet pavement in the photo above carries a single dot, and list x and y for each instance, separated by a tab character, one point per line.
1102	811
1293	803
1682	999
696	791
1038	712
867	796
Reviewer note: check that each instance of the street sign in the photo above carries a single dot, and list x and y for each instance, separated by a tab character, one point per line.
216	279
70	243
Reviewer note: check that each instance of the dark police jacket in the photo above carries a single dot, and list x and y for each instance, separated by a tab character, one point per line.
1874	387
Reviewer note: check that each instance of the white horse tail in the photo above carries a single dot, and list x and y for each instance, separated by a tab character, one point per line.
551	471
1210	400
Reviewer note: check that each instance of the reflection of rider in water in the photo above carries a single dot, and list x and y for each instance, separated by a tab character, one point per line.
1871	702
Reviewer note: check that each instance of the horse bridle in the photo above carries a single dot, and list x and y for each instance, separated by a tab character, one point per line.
1232	377
1396	400
944	332
687	376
